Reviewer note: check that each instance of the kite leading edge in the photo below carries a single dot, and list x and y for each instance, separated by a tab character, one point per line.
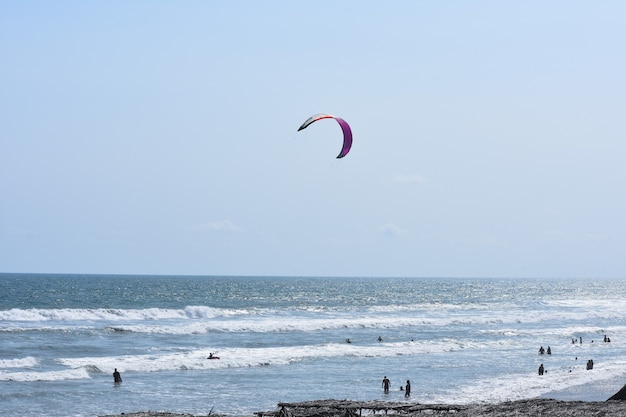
345	127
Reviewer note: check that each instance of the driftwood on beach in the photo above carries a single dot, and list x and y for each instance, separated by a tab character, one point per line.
535	407
345	408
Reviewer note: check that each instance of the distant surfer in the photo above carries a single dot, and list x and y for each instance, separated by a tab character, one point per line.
386	384
407	390
211	356
117	378
541	369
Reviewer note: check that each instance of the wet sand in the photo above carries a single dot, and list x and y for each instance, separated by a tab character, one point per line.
333	408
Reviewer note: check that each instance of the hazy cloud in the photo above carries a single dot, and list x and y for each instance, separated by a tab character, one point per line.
392	230
219	226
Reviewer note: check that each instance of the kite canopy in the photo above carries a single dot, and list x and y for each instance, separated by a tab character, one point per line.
347	132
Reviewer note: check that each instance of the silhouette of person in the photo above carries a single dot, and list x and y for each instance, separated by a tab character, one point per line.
407	390
117	378
386	384
541	369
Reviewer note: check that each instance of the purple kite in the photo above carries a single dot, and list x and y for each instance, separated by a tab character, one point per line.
347	133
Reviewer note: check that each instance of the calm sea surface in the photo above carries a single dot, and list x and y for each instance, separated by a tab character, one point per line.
285	339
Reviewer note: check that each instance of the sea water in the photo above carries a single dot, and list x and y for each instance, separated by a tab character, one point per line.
282	339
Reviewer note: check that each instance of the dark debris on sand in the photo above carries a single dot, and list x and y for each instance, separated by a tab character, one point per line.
345	408
149	414
619	395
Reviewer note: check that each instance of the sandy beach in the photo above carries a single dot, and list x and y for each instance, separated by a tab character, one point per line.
337	408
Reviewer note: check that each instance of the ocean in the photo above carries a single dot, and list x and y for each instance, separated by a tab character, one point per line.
285	339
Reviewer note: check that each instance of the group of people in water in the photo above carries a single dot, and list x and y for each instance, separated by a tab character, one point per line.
548	351
117	377
542	351
580	340
387	384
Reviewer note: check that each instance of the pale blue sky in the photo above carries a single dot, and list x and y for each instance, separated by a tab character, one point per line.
159	137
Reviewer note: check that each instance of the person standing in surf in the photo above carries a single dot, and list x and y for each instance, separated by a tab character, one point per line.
386	384
117	378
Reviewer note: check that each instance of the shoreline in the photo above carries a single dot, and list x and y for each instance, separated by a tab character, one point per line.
345	408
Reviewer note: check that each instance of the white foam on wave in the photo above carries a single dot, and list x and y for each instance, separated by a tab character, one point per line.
26	362
203	319
78	373
273	324
593	334
513	387
113	314
588	303
274	356
318	322
154	321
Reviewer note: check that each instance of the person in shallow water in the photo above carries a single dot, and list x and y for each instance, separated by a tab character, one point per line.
407	390
541	369
386	384
117	378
